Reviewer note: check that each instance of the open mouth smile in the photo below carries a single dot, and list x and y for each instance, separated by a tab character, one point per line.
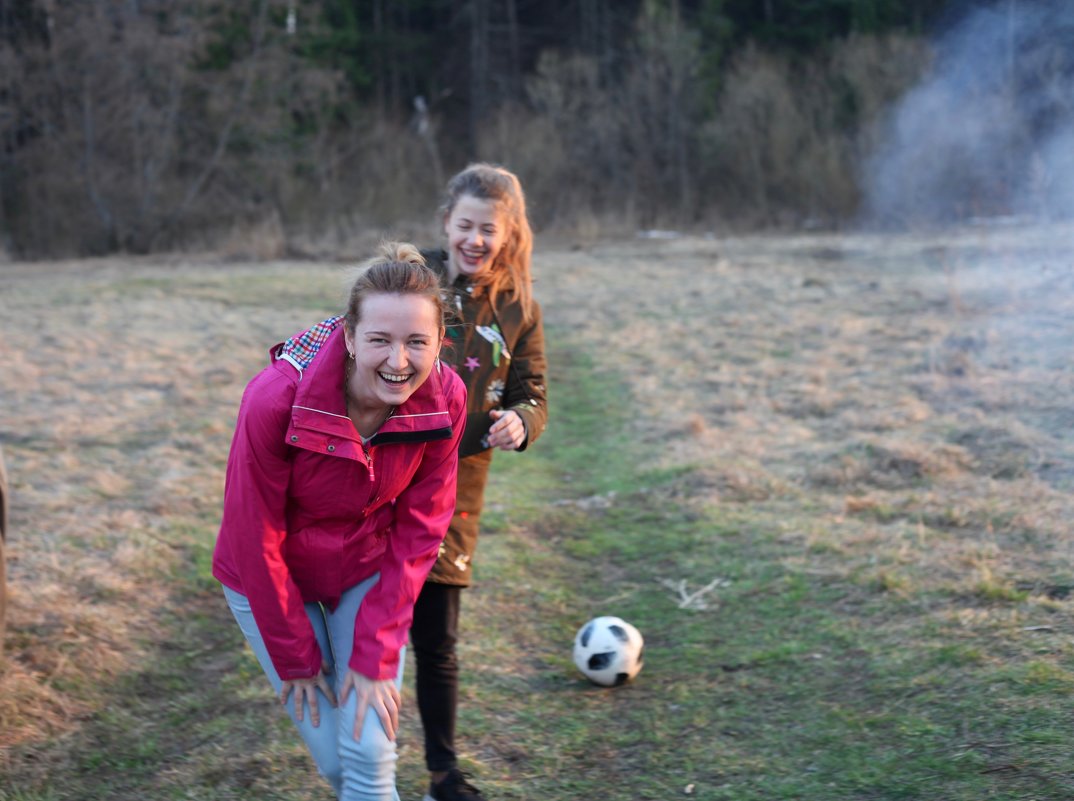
394	378
473	257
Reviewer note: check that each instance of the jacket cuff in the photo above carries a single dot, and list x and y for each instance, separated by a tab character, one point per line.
520	409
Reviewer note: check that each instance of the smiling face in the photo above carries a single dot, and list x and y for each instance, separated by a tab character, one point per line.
395	344
476	231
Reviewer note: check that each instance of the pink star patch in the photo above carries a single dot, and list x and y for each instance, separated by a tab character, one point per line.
472	363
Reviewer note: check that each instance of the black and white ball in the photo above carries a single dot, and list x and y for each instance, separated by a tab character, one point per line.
609	651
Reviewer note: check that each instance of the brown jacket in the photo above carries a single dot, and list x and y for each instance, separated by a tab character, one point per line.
502	362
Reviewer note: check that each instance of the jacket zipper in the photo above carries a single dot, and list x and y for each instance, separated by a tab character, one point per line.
368	453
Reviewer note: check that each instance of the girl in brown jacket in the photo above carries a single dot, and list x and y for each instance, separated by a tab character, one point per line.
497	346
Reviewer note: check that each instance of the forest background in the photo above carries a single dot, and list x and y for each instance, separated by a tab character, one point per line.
292	126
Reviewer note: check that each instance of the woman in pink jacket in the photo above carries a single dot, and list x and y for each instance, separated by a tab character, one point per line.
340	486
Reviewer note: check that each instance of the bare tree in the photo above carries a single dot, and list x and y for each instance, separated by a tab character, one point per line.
99	98
223	137
660	97
515	49
479	65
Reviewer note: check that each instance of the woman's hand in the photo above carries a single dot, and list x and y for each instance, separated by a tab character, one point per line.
508	432
383	696
306	690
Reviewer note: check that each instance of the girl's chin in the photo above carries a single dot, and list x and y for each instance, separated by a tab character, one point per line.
463	267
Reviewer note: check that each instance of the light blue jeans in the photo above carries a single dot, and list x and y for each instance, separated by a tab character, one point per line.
357	771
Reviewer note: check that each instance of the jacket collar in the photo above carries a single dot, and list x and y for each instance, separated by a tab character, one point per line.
319	401
437	261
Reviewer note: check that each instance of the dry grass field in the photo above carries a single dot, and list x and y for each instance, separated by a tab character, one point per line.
891	416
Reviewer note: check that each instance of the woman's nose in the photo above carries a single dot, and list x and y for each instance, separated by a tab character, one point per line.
399	357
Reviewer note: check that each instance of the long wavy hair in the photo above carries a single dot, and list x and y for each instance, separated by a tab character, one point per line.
510	271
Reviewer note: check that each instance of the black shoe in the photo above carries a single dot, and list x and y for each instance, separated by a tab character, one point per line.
453	787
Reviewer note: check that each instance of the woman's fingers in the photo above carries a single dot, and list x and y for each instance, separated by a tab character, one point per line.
326	688
306	693
359	714
310	691
386	705
353	681
285	691
395	702
380	696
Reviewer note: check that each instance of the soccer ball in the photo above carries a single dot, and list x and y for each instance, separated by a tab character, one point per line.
608	650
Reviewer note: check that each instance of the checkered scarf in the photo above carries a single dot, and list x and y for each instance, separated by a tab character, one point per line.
300	349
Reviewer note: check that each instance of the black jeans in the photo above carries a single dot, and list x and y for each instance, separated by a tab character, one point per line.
432	638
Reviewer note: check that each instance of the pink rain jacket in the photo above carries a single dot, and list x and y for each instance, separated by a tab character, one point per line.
307	514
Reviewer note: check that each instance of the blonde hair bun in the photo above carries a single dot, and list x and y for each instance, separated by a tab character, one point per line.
400	252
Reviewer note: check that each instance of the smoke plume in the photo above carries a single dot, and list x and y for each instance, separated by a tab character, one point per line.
989	131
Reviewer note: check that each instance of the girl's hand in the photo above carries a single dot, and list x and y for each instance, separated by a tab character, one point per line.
306	691
508	432
383	696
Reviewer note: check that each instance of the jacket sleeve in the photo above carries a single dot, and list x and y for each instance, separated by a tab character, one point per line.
526	391
422	514
255	525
